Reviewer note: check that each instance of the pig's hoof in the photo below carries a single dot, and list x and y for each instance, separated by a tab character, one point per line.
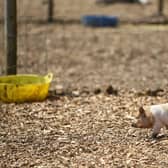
161	136
133	125
154	136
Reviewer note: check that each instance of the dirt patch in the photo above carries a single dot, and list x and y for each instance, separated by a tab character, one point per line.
85	131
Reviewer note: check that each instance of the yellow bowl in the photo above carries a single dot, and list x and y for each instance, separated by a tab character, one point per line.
24	88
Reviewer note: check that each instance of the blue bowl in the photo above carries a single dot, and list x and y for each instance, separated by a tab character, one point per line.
100	21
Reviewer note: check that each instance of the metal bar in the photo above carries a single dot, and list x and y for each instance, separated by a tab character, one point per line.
50	10
11	36
160	7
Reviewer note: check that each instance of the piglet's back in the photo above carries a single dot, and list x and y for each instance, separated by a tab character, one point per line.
160	112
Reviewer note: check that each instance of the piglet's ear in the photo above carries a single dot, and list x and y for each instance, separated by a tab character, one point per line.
141	110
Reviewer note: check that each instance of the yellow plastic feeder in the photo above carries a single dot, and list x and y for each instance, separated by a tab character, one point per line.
24	88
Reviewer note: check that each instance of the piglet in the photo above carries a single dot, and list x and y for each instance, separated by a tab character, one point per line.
155	117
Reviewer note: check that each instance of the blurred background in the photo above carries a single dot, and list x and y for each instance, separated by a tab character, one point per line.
131	55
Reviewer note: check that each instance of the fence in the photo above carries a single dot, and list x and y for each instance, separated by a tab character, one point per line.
76	54
24	17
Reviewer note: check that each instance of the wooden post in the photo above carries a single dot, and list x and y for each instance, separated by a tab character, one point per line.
160	7
50	10
11	36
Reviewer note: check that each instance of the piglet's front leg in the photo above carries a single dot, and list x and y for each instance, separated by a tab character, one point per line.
156	130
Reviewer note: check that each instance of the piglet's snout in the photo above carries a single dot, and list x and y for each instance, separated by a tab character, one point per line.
134	125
